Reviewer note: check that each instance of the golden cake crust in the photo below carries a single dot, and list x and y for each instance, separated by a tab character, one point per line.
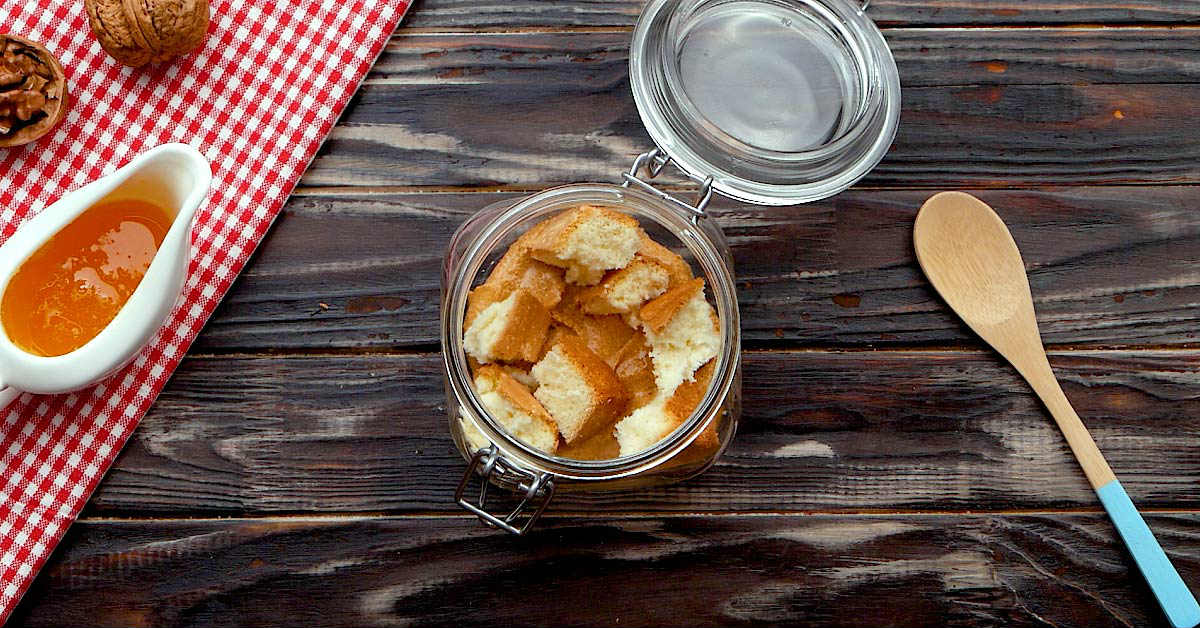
678	269
605	334
516	393
655	314
518	338
609	397
636	371
600	446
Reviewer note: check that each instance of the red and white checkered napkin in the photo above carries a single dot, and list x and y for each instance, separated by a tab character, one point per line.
257	99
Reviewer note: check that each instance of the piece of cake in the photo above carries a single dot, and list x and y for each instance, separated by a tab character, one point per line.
517	268
655	314
522	375
656	420
512	405
579	389
678	270
557	332
510	330
644	427
587	241
479	298
635	369
684	401
683	333
600	446
626	289
605	334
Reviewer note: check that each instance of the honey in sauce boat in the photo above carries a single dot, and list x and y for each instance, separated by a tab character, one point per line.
93	276
72	287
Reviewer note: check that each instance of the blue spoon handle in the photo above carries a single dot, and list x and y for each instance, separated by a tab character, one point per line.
1177	601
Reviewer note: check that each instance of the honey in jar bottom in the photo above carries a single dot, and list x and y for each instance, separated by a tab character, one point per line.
74	285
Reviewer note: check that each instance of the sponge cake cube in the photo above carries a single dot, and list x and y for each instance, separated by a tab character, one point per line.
683	332
587	241
678	270
511	330
626	289
644	427
656	420
606	334
512	405
579	389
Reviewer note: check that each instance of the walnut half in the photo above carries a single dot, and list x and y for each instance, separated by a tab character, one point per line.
33	91
137	32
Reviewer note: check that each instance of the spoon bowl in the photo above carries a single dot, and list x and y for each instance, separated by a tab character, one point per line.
979	271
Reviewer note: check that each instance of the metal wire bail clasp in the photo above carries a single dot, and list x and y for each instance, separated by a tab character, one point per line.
535	486
655	161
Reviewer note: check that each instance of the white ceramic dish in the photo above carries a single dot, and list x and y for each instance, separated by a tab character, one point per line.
173	176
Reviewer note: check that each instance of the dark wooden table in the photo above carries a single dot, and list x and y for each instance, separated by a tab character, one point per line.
888	471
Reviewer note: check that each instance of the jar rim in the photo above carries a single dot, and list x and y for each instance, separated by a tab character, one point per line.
717	273
678	20
758	174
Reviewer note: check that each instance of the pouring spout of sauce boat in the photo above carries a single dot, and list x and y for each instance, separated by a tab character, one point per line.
173	177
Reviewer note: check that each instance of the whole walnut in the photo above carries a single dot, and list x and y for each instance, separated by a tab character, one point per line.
137	32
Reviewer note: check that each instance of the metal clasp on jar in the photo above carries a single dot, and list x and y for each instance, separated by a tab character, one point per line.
538	488
655	161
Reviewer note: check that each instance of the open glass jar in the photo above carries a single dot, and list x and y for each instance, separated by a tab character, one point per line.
511	463
772	102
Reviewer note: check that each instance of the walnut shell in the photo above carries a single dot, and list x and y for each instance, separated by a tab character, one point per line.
33	93
137	32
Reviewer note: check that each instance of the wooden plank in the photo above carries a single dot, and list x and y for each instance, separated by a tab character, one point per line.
535	13
829	431
532	109
900	571
1109	266
926	57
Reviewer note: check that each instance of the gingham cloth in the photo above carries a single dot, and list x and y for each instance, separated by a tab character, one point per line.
257	99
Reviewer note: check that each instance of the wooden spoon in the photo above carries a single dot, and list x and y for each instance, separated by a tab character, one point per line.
973	262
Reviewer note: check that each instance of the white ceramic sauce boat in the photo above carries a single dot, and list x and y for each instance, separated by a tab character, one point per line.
175	177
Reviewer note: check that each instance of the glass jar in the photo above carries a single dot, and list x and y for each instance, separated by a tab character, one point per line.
772	102
512	464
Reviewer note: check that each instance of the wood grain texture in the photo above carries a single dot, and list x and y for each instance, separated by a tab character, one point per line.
857	431
1066	570
1109	266
926	57
353	264
592	13
530	109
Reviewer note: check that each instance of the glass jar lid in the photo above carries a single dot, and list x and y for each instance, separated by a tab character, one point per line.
778	101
